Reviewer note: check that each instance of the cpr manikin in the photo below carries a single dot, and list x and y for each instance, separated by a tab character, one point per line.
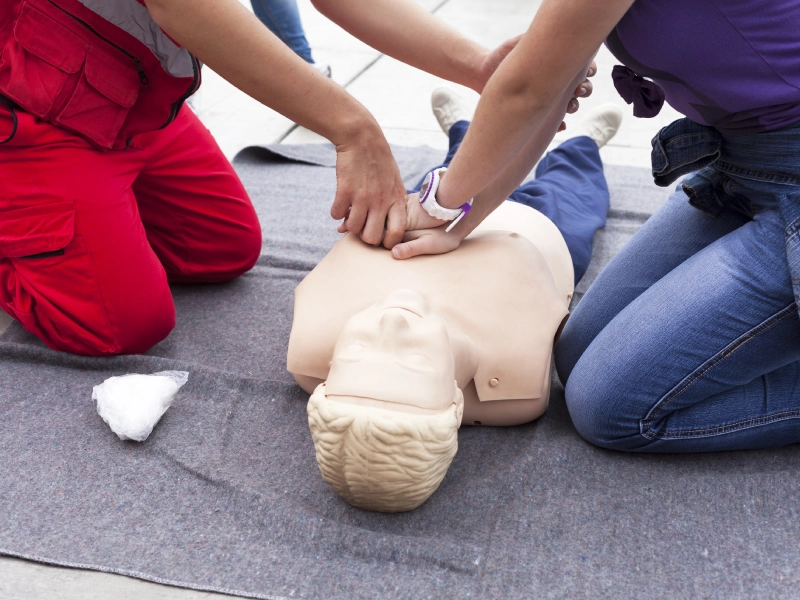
398	354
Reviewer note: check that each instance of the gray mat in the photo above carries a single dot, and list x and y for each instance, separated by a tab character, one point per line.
226	495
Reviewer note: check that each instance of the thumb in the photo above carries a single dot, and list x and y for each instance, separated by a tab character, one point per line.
421	245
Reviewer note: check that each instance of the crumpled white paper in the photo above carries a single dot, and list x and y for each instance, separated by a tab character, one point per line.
132	404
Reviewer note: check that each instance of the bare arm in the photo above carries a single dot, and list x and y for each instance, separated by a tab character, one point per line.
436	241
406	31
523	92
227	37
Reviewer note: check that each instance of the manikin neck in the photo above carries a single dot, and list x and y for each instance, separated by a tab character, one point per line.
465	355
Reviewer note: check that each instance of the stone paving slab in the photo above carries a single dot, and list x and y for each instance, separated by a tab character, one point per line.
23	580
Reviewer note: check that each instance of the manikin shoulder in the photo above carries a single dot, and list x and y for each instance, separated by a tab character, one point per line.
539	231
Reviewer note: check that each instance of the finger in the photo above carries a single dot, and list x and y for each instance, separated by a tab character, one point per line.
410	249
341	203
355	220
592	69
562	127
573	106
372	233
395	225
585	89
342	228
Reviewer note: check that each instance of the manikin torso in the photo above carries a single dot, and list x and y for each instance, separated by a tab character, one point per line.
485	315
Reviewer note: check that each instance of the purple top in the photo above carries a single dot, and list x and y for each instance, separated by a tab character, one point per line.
731	64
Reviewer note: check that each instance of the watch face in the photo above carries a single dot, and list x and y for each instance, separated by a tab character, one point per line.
423	191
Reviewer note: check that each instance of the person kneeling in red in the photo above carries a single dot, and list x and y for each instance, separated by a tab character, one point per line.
110	188
90	235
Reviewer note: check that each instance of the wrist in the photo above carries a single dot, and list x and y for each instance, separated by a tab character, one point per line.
428	199
356	128
446	195
474	67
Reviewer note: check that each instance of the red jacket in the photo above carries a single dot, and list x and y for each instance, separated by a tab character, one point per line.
100	68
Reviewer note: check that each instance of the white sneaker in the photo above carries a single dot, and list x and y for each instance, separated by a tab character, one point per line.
323	68
448	108
600	124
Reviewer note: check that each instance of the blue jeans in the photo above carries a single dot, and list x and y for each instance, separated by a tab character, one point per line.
283	19
570	189
689	340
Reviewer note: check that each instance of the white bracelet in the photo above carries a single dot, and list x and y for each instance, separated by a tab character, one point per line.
427	198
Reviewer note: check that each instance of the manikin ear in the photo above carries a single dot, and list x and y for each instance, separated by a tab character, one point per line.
459	400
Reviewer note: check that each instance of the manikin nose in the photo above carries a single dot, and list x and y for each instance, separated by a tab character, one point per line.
392	323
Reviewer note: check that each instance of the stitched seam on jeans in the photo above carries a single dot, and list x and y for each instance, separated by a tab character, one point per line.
743	424
719	357
755	175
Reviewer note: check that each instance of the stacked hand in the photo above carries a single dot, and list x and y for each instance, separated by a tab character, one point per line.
424	233
370	195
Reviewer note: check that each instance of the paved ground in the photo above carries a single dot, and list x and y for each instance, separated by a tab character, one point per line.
399	97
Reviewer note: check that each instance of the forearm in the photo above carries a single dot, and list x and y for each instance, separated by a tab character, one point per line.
526	88
230	40
405	31
511	177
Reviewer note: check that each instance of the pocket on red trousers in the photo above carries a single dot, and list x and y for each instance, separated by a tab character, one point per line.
38	230
50	282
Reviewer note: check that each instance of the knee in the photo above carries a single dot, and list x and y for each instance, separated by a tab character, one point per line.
596	398
238	252
234	251
248	250
239	256
131	331
139	327
569	349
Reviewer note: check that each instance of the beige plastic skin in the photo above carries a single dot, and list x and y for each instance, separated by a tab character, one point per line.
501	296
396	354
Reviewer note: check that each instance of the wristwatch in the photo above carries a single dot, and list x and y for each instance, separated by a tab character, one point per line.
427	198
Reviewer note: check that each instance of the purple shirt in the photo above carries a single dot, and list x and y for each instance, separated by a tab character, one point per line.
731	64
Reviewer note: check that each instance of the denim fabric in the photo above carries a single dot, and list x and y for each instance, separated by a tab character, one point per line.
689	340
456	135
283	19
570	189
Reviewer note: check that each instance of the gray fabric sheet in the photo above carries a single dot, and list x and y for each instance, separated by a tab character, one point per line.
226	495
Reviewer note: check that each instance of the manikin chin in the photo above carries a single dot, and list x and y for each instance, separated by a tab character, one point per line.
397	354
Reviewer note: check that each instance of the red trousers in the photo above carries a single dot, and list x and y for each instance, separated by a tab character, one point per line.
90	239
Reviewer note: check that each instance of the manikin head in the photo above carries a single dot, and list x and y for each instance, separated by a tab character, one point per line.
385	422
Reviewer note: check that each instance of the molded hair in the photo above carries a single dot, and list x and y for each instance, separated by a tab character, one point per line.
379	459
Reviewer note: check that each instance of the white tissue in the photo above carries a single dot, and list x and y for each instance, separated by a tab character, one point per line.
132	404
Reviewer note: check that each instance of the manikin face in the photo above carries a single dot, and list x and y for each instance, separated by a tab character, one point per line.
395	351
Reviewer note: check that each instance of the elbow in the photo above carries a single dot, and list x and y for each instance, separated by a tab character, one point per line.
522	97
323	6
